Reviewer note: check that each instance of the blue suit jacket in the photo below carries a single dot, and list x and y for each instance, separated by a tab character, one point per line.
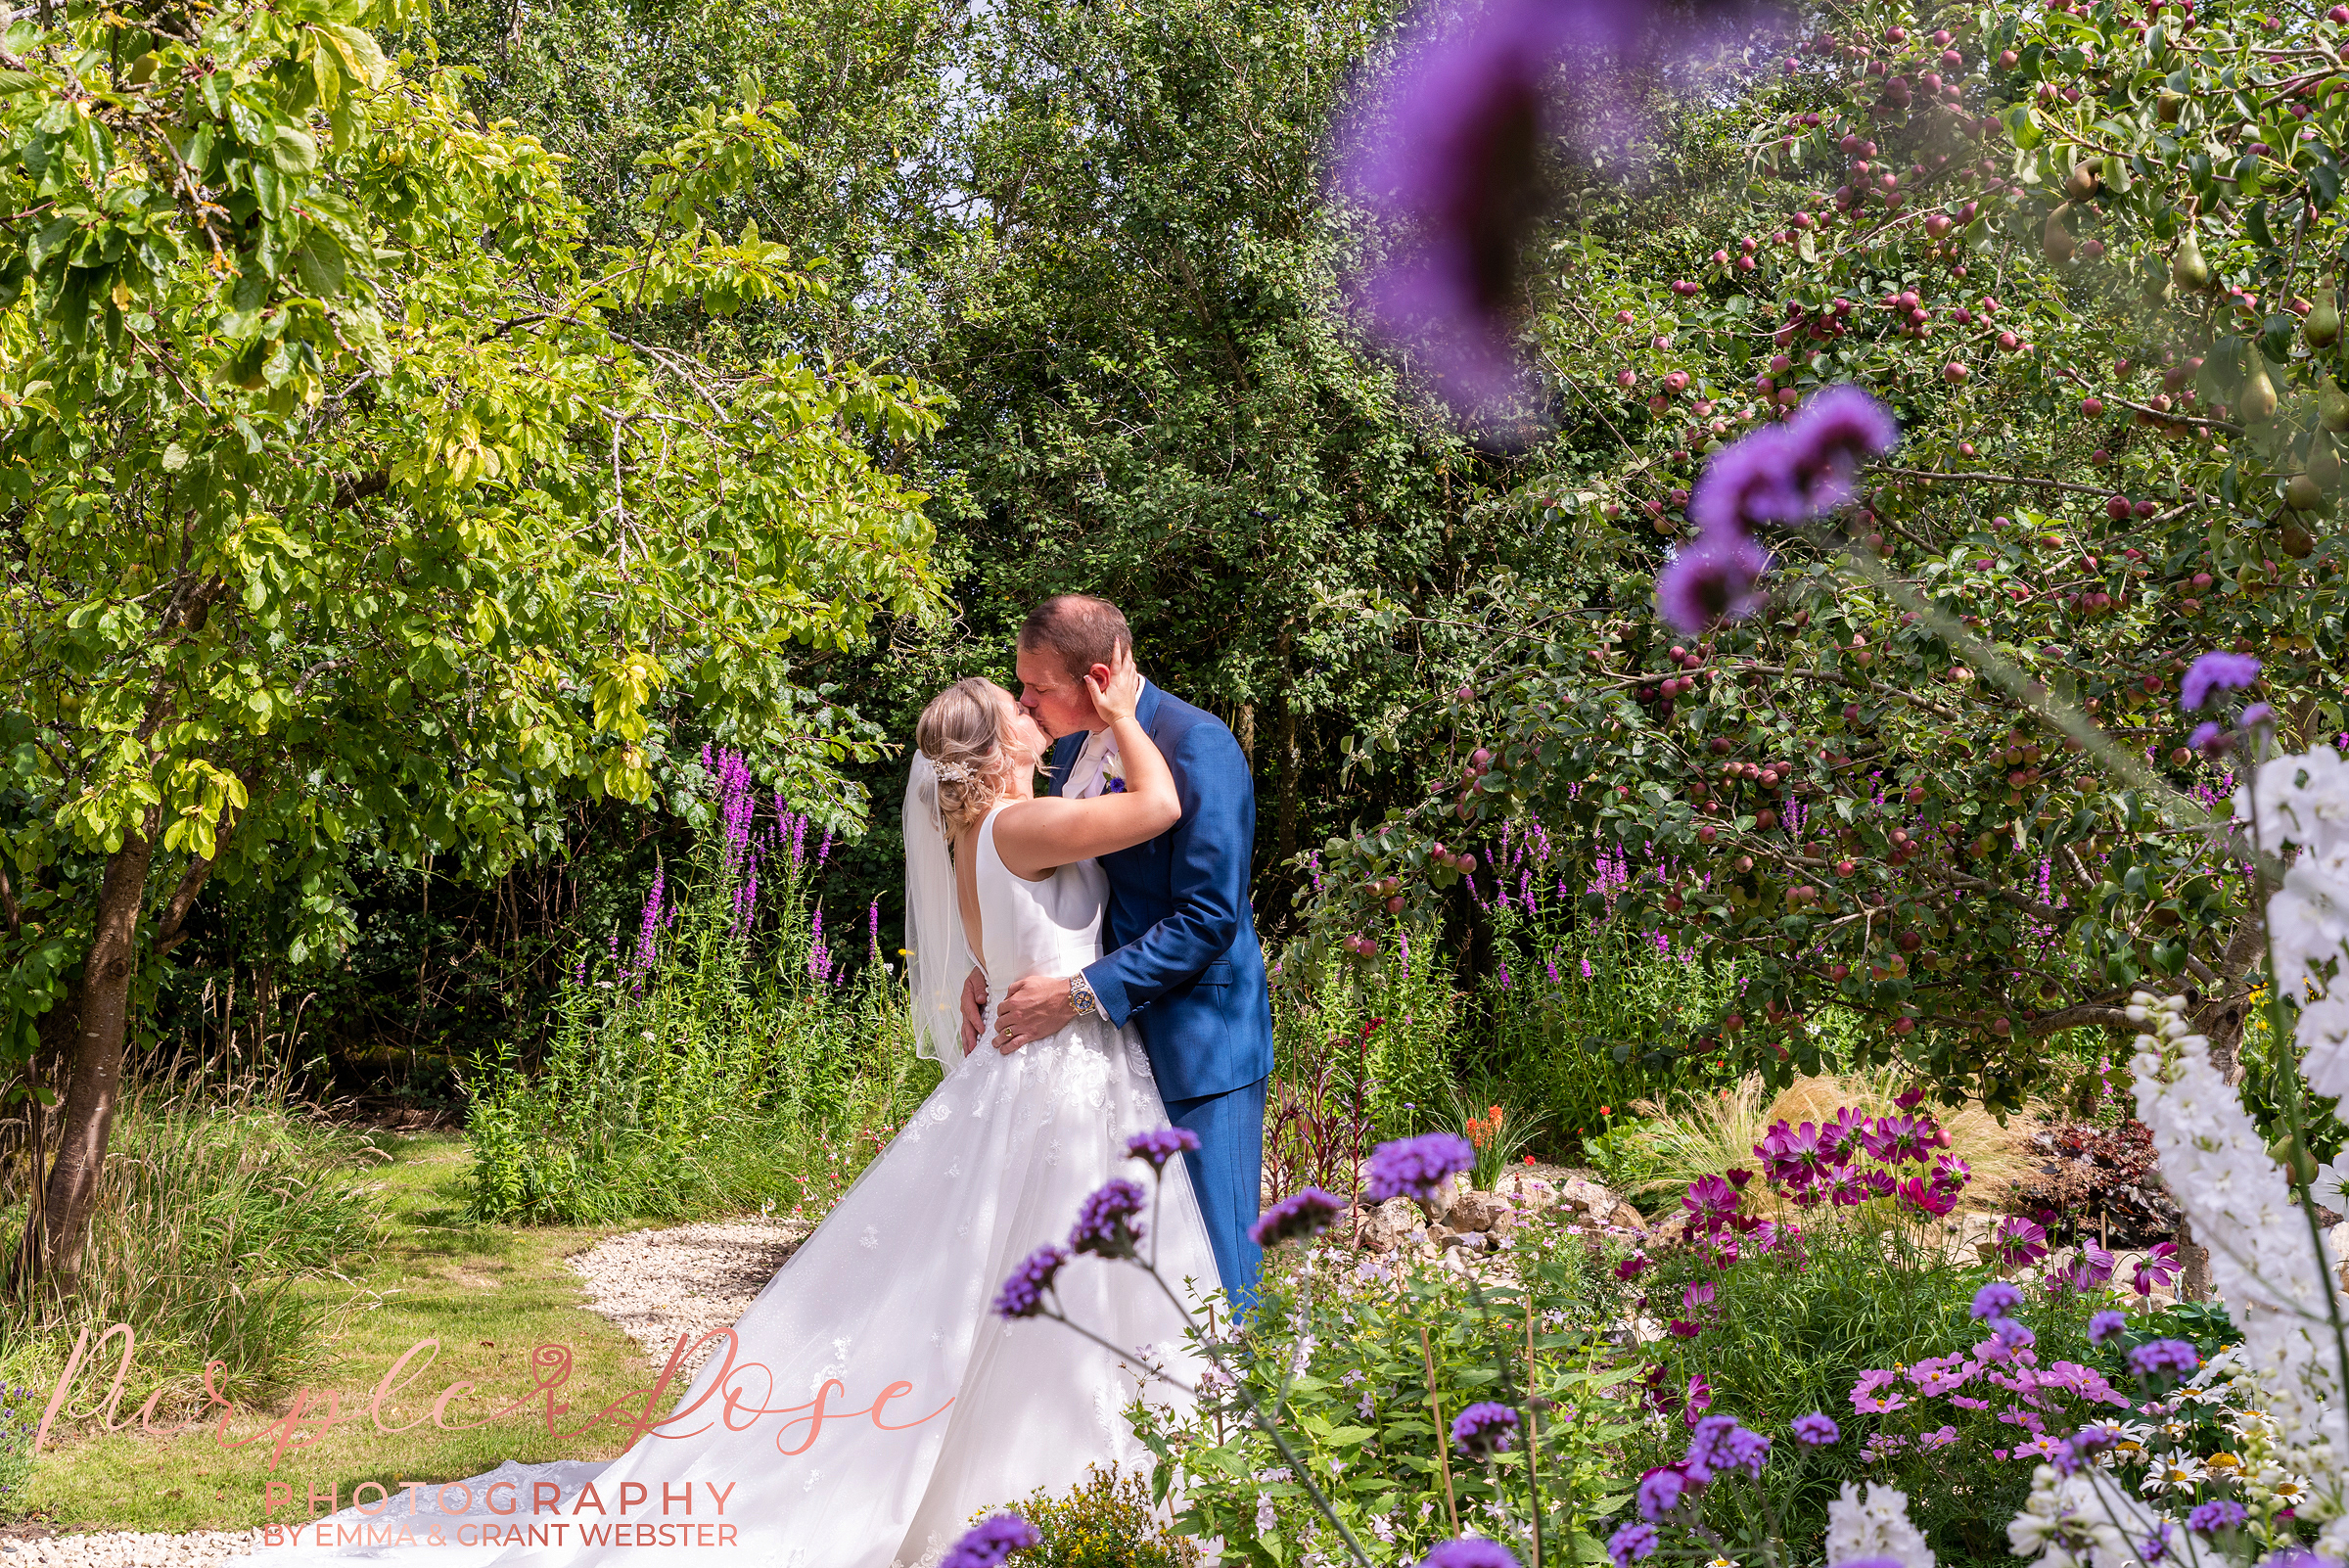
1184	963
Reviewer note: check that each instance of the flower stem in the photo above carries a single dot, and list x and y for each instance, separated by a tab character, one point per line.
1435	1404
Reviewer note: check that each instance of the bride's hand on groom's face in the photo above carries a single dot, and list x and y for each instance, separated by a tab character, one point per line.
1036	1008
1117	696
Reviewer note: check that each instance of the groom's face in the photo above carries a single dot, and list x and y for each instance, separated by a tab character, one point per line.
1056	698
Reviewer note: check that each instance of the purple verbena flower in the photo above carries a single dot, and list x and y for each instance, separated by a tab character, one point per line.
1468	1552
2215	672
2172	1358
1109	1220
1659	1492
1719	1444
1816	1430
2106	1325
1161	1144
1713	579
1023	1291
2210	739
1298	1216
1995	1300
1632	1542
2209	1518
1416	1168
1750	481
988	1543
1451	145
1836	432
1485	1429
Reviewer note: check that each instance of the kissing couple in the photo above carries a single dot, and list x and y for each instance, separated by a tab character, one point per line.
1085	962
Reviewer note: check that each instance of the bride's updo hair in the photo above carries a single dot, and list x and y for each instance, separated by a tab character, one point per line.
961	732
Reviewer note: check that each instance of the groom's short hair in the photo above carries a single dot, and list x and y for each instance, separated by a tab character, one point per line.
1081	630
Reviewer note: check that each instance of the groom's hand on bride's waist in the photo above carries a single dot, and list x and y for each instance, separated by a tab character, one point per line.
974	1009
1036	1008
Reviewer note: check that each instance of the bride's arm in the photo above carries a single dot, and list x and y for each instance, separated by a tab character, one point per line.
1034	836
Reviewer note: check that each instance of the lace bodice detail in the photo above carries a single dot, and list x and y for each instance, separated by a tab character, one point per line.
1052	927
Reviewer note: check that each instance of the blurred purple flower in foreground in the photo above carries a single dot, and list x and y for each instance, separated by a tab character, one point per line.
1450	144
1715	579
1780	474
1466	116
2214	672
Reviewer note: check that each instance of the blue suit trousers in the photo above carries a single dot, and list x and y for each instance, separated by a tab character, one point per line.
1227	1174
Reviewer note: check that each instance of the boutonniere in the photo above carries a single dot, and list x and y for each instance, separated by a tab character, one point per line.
1113	774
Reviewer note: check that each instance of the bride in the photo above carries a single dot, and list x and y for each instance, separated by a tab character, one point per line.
872	1401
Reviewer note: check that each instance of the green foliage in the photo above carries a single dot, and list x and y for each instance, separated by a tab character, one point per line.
1790	1333
1589	1023
731	1061
1105	1521
341	504
218	1203
1336	1356
1861	795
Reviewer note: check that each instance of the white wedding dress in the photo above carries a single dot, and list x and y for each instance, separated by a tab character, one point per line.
892	1292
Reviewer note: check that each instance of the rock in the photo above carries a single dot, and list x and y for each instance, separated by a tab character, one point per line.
1477	1211
1393	1223
1576	1194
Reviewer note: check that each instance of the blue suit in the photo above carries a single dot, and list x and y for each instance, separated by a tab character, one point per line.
1184	967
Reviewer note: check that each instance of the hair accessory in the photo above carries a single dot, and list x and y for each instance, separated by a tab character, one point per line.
951	772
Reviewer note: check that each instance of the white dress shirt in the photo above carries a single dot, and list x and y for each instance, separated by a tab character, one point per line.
1091	773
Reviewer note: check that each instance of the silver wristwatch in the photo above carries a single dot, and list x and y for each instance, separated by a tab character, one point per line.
1082	998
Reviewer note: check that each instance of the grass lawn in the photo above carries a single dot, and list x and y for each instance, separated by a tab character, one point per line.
488	1294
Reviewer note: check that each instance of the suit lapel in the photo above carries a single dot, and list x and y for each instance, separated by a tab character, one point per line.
1065	751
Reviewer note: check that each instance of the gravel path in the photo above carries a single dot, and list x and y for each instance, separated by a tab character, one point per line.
655	1285
129	1548
659	1284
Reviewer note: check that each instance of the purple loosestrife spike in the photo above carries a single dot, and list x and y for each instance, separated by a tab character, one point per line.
824	851
1296	1217
1023	1291
2214	672
1716	578
990	1542
1161	1144
1108	1222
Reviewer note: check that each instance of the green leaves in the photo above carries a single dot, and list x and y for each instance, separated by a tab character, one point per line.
332	521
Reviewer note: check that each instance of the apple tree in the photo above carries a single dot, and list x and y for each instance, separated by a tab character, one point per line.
338	496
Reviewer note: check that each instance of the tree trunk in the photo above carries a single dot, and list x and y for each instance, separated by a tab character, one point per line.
53	1253
2223	1011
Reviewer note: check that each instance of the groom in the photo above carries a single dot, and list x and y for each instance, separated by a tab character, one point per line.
1184	963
